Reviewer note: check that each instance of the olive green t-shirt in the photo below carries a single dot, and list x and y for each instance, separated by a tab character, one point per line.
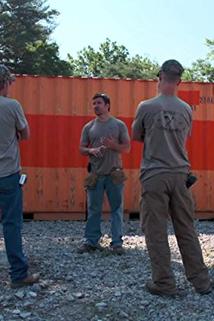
12	119
93	134
163	122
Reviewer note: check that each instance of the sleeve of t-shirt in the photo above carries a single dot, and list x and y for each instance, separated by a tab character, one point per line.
137	125
124	134
84	139
20	119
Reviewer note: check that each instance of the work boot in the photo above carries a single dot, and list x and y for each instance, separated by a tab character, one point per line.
117	249
88	248
29	280
207	290
156	290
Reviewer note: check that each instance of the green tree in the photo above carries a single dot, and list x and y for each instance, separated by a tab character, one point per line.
202	69
88	63
142	68
95	63
42	58
25	27
112	60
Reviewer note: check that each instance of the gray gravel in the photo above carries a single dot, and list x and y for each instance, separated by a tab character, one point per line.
99	286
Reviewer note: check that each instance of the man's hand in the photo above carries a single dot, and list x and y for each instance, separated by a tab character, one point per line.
98	151
110	143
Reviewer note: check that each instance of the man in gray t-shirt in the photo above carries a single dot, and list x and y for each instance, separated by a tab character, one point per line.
104	139
163	124
13	127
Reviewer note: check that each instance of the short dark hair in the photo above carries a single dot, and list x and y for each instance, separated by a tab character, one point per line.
5	76
104	96
171	69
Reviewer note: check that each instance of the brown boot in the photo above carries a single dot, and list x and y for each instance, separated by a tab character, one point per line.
118	249
208	290
29	280
154	289
88	248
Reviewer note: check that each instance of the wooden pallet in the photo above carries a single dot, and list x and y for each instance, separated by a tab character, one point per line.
54	216
72	216
69	216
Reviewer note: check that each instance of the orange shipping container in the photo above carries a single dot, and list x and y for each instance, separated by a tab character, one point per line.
58	107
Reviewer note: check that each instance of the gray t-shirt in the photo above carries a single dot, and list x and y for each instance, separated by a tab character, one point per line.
93	134
12	119
164	123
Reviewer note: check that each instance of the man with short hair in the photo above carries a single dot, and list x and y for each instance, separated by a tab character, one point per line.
13	127
163	124
103	139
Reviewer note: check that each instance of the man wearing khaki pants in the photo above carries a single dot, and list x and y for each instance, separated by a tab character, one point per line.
163	124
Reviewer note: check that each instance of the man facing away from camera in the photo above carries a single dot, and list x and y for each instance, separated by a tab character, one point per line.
104	139
163	124
13	127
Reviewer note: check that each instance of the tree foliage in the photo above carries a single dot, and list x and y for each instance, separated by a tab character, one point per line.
112	60
202	69
42	58
25	27
25	46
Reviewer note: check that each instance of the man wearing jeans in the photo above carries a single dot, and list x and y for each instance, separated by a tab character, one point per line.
103	140
13	127
163	124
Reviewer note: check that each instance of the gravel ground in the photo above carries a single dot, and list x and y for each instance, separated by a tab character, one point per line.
99	286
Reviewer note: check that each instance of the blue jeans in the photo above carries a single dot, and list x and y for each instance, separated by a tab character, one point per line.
12	218
95	202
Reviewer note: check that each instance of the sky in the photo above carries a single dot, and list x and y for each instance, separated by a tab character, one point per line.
158	29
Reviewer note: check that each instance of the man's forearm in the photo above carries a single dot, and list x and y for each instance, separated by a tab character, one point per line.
121	148
84	150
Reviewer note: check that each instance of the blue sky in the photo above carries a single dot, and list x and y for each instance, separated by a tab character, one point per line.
158	29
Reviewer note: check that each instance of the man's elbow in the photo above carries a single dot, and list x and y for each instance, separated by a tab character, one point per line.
137	138
24	133
127	148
